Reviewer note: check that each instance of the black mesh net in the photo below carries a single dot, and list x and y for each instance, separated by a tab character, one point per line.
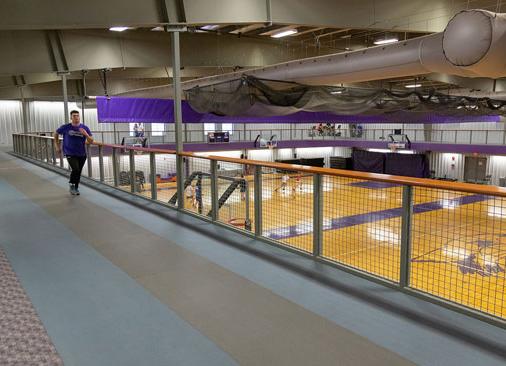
251	96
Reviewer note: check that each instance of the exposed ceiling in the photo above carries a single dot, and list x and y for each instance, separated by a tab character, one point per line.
236	34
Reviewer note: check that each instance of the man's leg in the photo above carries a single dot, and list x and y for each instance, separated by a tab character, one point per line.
74	168
81	160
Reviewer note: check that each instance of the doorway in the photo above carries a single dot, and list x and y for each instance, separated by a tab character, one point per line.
475	169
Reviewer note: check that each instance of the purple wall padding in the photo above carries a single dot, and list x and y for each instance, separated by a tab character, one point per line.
144	110
367	161
409	165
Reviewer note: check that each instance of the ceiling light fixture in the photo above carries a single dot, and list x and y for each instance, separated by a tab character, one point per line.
386	41
336	92
118	29
412	86
288	32
157	29
210	27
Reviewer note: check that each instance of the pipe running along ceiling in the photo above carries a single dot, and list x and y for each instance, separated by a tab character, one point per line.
473	44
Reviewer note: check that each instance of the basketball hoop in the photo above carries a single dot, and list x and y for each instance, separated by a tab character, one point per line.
394	146
237	222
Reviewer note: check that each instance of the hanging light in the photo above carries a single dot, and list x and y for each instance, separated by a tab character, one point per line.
118	29
288	32
386	40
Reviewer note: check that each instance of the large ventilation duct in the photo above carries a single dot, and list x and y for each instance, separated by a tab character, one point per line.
472	45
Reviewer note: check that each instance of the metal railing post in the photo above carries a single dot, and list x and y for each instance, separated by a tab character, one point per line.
61	158
101	163
132	170
180	181
214	190
471	137
317	214
48	154
152	175
53	152
90	167
35	148
407	213
486	136
257	197
115	168
29	146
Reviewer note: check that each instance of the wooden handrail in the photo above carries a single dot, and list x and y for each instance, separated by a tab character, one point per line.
386	178
394	179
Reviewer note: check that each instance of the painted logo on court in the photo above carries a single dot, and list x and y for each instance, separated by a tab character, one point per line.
483	255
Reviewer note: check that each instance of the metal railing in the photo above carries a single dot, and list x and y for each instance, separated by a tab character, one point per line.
443	241
448	136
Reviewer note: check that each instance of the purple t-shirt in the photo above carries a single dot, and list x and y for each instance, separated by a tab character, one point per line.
73	139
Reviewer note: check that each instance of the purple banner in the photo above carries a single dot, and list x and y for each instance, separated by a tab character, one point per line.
144	110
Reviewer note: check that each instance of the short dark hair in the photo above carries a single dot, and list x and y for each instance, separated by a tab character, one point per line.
73	112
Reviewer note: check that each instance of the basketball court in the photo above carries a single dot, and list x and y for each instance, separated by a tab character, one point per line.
458	243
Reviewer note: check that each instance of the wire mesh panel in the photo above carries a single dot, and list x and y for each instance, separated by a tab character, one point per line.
165	173
287	208
124	170
108	165
141	173
235	195
91	160
458	248
362	225
197	185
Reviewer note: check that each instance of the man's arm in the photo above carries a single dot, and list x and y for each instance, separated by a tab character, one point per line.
89	138
57	146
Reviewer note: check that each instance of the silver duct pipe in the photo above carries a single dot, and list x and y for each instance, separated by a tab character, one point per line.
473	44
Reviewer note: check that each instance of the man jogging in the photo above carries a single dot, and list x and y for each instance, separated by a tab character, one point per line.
75	135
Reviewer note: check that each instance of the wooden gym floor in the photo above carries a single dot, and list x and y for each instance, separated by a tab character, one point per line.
458	249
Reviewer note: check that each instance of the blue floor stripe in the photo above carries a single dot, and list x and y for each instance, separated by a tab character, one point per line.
94	313
369	217
391	330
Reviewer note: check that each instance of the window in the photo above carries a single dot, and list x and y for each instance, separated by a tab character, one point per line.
227	127
136	129
209	127
157	129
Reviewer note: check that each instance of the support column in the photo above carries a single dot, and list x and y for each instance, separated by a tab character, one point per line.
65	97
258	200
24	111
178	117
407	213
317	215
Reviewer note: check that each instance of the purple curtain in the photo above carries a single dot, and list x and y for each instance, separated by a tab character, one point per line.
409	165
144	110
367	161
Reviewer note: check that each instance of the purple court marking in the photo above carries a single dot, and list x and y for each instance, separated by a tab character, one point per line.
373	185
347	221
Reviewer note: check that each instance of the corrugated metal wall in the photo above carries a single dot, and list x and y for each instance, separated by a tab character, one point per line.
11	120
496	167
447	165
